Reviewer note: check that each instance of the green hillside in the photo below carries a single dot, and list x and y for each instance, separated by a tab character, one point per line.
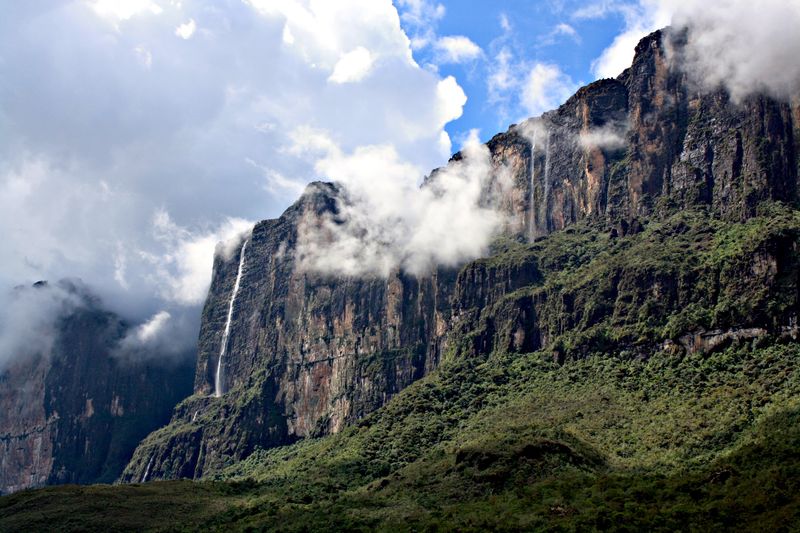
619	422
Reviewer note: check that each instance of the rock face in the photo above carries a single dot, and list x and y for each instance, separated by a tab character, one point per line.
308	354
621	149
77	414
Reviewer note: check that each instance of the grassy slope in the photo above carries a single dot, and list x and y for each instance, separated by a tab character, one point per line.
515	441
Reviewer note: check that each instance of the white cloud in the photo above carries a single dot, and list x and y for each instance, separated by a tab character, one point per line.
641	18
124	9
28	318
747	47
742	45
182	274
163	337
565	29
546	87
451	99
561	29
105	124
186	30
609	137
421	11
278	184
386	224
421	17
501	77
456	49
352	66
151	329
505	24
519	87
600	9
144	56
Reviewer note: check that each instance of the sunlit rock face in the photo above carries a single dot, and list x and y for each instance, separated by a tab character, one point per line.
75	415
309	353
622	148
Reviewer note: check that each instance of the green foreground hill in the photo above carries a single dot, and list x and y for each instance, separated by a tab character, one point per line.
666	397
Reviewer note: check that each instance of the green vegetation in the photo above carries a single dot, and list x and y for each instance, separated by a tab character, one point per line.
612	422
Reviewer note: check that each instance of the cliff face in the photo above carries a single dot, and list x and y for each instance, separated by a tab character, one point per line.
307	354
77	414
620	149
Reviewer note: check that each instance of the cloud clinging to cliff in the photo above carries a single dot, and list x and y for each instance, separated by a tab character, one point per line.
386	222
138	134
744	46
747	47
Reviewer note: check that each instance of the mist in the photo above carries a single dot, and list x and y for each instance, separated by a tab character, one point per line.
28	320
746	47
387	222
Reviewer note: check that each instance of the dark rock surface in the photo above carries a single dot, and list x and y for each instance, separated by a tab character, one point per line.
77	414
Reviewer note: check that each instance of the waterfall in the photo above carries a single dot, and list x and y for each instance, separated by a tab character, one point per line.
147	470
531	214
547	173
226	333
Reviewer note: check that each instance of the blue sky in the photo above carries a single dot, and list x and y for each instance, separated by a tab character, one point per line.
559	33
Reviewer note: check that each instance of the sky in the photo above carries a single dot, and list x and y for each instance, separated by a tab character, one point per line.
137	135
503	43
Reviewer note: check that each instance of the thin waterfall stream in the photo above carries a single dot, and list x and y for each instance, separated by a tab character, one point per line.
531	214
227	332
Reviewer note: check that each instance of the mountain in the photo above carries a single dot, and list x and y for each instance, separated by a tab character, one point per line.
308	354
623	358
76	414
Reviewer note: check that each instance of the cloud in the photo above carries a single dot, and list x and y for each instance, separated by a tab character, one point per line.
119	10
186	30
29	316
451	99
456	49
129	153
609	137
278	184
163	338
641	18
152	329
566	29
501	77
560	30
181	275
546	87
505	24
144	56
352	66
747	47
518	87
421	17
389	224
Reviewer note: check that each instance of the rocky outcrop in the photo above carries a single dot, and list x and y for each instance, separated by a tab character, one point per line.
307	354
748	295
75	415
